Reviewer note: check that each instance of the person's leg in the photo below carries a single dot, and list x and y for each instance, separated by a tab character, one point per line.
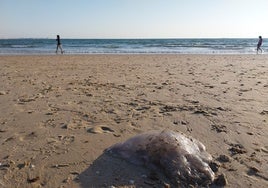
61	49
57	49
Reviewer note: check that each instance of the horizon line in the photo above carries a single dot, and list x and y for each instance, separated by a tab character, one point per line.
134	38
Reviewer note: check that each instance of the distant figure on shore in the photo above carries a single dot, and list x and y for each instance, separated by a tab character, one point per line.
59	45
259	45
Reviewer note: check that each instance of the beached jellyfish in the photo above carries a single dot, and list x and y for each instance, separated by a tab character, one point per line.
182	159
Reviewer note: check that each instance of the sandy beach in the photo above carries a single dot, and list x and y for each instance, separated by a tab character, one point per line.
59	113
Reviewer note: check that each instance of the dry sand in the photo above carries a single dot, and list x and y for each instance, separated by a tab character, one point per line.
59	113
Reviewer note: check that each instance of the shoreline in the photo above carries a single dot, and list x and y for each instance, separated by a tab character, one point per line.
60	112
130	54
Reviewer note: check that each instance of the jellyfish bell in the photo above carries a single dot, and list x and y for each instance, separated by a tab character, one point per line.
181	158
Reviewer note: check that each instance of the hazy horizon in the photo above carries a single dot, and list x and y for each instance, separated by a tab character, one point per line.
128	38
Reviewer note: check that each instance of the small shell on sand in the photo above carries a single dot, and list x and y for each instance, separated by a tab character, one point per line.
3	93
183	160
100	129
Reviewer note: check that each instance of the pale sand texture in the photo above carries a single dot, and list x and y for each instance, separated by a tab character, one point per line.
51	106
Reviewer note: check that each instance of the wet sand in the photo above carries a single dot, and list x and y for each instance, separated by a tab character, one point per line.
59	113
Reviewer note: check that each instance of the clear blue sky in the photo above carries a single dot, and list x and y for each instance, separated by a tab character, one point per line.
133	18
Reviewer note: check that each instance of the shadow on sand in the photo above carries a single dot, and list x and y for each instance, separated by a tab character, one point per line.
107	171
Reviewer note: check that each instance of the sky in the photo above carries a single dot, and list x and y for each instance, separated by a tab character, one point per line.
133	18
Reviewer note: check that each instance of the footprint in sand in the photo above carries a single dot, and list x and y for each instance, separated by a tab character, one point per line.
23	100
264	112
75	124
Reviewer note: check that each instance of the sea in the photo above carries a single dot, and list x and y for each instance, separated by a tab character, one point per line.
132	46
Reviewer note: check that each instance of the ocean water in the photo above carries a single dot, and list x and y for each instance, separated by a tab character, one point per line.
131	46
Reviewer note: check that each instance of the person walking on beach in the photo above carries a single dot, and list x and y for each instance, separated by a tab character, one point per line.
59	45
259	45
